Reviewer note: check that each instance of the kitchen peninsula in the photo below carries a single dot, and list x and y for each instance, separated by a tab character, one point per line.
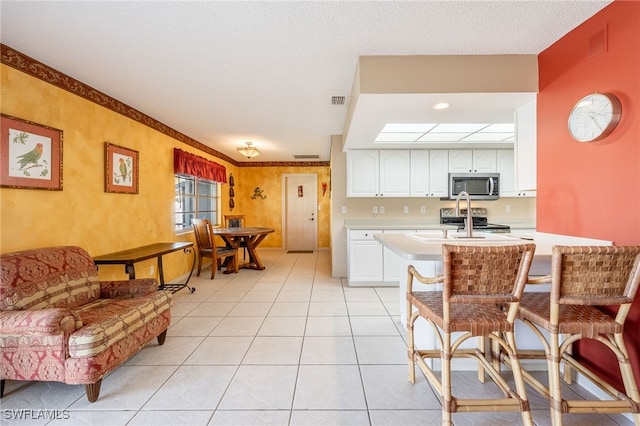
423	250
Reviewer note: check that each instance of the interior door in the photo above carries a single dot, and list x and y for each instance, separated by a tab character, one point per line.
301	203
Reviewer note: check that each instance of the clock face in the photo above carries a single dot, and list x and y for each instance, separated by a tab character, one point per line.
594	117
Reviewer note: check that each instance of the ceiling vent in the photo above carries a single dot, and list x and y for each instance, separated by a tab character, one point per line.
306	157
338	100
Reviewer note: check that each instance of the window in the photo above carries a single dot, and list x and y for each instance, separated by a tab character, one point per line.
195	198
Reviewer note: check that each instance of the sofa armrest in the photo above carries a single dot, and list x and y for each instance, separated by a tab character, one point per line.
53	321
127	289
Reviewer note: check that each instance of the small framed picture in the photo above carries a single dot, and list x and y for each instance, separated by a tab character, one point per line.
121	169
30	155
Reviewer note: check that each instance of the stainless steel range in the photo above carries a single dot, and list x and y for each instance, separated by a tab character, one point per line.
478	215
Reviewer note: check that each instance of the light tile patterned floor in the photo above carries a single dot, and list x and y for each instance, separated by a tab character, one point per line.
286	346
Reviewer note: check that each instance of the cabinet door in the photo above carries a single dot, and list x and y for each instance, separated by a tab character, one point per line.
460	161
419	173
362	173
484	160
395	166
506	168
438	173
525	149
365	260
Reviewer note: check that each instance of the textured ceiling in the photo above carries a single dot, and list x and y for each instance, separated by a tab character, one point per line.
226	72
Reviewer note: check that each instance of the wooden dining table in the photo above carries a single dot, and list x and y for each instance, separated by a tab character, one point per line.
251	237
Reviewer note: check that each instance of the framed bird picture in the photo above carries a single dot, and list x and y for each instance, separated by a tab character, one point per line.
30	155
121	169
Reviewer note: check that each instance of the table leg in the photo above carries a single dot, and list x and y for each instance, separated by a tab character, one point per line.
161	272
254	260
131	270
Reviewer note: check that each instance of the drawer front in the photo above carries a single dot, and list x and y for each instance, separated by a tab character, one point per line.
363	234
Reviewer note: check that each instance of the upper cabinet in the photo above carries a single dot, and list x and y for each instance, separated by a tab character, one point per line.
472	161
425	172
439	173
429	170
525	149
395	173
373	173
362	173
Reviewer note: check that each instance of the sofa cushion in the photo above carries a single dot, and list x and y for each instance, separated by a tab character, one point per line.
53	277
107	321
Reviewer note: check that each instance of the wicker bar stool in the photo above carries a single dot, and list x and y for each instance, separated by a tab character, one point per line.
482	286
583	278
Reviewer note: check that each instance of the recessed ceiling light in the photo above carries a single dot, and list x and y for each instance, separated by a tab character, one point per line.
441	105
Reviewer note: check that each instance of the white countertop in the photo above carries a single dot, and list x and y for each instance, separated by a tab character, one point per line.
414	249
396	224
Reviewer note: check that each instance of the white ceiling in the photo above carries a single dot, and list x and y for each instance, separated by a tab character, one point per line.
223	73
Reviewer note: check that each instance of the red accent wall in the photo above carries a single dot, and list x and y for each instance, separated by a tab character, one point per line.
593	189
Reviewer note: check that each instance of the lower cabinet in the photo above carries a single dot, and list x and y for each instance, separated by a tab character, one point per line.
365	257
369	263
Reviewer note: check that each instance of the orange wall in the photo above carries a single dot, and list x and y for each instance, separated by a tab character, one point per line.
593	189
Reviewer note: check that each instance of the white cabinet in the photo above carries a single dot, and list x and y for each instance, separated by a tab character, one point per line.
394	173
429	173
472	161
525	149
362	173
420	173
508	177
373	173
438	173
506	168
364	257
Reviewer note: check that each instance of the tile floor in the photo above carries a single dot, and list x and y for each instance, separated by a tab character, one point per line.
286	346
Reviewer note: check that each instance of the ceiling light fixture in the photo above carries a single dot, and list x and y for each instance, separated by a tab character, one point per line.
248	150
441	105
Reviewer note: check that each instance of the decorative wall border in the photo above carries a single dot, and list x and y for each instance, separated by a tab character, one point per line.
34	68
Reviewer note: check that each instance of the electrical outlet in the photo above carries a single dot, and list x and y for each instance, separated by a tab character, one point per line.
381	209
375	209
423	209
507	208
151	270
405	209
344	209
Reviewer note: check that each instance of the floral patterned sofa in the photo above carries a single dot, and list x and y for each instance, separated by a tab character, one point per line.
59	323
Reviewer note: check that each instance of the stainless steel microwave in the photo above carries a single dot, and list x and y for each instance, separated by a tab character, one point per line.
479	186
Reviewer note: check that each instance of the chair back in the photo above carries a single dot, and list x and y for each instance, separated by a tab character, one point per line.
204	234
234	221
485	274
594	275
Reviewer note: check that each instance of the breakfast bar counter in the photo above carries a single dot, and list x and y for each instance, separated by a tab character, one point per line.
423	250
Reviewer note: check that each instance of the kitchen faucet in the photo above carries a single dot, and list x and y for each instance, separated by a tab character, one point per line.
468	222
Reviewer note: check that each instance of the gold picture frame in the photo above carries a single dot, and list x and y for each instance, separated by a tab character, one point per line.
30	155
121	169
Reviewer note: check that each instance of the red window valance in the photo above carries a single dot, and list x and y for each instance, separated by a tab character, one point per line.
190	164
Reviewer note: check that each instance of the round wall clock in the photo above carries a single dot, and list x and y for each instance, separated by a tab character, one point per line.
594	117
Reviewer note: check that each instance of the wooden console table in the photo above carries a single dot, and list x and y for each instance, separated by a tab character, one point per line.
138	254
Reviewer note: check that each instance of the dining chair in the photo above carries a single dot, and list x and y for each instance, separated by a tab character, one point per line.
592	288
481	290
236	221
206	242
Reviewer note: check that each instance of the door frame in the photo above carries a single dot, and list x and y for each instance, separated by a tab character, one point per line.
284	220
